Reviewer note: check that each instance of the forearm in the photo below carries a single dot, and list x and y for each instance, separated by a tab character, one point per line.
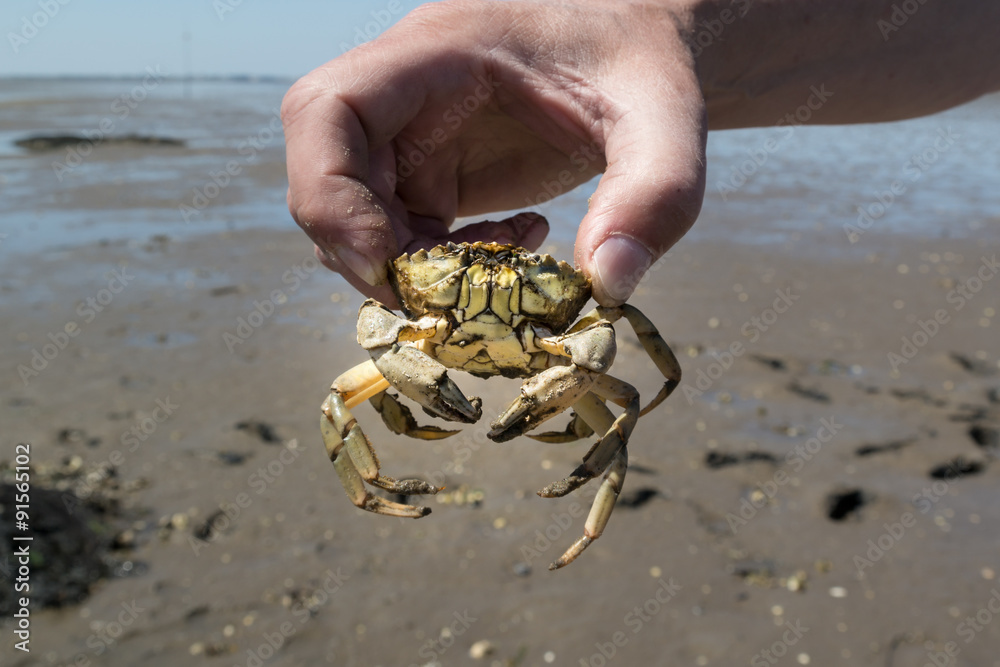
879	60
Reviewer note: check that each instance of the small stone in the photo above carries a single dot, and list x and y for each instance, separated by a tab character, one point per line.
196	648
522	569
838	592
481	649
797	582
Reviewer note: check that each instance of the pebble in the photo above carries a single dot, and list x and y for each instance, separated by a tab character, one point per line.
797	582
481	649
838	592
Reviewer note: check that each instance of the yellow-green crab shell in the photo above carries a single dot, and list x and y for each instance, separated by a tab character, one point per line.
491	292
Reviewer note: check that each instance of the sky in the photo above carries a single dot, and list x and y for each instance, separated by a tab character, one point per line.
121	37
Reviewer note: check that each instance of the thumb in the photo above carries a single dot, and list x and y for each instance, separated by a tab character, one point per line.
650	193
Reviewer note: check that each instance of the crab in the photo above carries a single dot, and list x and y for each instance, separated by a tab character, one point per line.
491	309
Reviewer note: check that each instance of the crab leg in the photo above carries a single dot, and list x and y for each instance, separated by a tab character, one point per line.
600	511
351	452
399	419
611	449
616	432
577	429
651	341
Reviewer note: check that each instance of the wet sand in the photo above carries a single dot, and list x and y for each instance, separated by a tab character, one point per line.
797	501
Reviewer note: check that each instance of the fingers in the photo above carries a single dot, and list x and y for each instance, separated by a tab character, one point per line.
340	121
526	230
651	191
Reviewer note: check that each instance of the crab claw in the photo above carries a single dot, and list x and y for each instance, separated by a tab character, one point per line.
425	380
542	396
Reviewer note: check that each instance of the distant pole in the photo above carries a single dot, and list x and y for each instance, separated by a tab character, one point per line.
188	75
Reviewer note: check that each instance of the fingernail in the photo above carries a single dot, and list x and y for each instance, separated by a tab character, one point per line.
620	263
369	271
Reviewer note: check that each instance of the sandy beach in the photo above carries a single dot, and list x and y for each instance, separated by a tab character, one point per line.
822	489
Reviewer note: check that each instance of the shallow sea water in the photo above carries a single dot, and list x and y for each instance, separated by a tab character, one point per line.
764	185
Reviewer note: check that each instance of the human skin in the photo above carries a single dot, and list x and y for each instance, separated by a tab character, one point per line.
471	106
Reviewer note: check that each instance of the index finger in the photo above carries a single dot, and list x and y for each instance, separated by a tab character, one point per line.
336	138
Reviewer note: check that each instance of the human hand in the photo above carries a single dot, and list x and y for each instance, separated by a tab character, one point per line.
470	106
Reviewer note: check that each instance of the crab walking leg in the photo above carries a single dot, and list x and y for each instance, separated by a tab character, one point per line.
359	384
577	429
616	431
651	341
600	511
398	419
352	454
